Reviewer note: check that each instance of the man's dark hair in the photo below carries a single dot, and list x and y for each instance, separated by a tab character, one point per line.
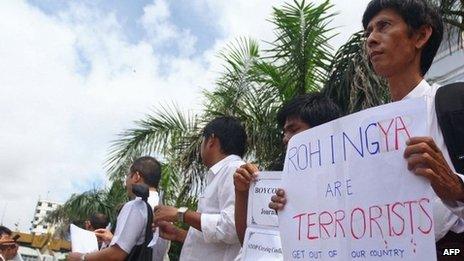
230	132
313	109
149	168
415	14
99	220
5	231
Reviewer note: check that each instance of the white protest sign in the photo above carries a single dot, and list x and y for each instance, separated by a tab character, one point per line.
349	193
261	191
83	241
262	239
262	244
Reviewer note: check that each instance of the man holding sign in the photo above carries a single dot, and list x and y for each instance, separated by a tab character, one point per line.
402	40
212	234
299	114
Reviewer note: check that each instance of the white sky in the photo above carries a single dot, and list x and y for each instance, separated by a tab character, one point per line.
57	122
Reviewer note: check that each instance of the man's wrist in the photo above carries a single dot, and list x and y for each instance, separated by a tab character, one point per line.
181	214
242	193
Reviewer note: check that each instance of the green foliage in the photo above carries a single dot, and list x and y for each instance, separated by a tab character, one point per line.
301	50
80	207
352	83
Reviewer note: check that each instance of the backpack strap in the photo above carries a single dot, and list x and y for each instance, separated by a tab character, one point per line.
148	232
449	106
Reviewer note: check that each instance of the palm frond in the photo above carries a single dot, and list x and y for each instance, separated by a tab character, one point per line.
352	83
156	134
301	47
239	59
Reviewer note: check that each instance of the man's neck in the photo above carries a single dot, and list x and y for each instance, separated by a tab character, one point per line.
402	84
216	159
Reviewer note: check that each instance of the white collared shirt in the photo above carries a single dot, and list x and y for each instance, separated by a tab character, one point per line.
131	224
444	218
217	239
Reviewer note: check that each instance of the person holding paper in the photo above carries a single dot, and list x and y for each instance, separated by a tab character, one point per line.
97	221
132	219
402	40
212	234
299	114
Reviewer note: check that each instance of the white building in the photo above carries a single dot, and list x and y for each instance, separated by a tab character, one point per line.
448	66
43	208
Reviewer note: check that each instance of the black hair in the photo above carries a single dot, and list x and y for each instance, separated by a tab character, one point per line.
99	220
313	109
230	132
415	14
149	168
5	231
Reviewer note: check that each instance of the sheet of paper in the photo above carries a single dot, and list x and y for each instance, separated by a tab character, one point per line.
349	193
83	241
154	239
262	239
262	244
261	191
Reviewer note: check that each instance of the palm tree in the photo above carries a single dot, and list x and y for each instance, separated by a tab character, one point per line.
79	207
253	86
352	83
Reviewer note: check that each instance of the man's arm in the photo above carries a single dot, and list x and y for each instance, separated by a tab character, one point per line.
243	177
216	227
112	253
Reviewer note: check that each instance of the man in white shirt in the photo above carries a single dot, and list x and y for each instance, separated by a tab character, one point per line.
299	114
133	218
212	234
402	40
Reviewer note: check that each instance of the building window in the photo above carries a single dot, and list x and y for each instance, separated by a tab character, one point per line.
45	226
39	204
37	211
48	212
36	218
49	205
34	226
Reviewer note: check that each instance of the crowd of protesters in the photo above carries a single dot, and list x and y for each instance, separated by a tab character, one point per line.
402	39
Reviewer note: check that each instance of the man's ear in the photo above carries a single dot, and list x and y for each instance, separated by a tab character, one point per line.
422	36
137	177
214	141
87	224
209	142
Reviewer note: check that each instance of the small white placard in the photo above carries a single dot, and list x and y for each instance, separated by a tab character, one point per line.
261	191
262	237
262	244
83	241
